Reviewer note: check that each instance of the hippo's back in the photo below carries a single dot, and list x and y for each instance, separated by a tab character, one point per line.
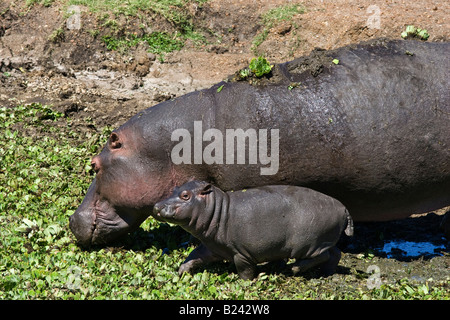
372	131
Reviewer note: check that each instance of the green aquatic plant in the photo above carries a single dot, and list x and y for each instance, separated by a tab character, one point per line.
260	66
413	32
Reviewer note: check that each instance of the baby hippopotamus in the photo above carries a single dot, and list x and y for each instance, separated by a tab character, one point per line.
258	225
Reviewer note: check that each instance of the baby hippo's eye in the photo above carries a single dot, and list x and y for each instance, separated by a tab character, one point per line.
185	195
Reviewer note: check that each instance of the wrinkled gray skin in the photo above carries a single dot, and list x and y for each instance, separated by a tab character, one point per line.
372	132
257	225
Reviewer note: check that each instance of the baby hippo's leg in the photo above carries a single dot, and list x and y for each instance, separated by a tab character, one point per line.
305	264
198	257
329	266
245	269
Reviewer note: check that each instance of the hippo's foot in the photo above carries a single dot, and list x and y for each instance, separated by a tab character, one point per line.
302	265
245	269
197	258
329	266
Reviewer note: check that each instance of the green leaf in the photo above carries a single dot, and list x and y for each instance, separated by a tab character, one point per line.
212	290
259	66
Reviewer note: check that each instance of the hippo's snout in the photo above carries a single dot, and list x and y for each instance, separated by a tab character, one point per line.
163	211
82	226
96	221
157	209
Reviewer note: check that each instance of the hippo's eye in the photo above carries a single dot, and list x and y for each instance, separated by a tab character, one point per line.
185	195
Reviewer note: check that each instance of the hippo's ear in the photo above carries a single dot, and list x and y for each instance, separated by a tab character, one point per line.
206	189
114	141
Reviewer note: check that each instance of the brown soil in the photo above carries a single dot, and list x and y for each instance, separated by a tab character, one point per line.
75	72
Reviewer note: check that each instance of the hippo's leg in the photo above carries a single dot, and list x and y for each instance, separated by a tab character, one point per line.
245	269
198	257
305	264
329	266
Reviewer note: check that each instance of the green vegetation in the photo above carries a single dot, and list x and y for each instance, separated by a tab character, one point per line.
175	11
281	13
244	73
158	42
259	66
45	3
108	13
293	85
272	18
45	172
259	39
57	35
413	32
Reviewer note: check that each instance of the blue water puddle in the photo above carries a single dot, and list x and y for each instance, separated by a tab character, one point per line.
395	248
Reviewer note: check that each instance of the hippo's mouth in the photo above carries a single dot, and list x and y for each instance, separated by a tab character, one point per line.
96	221
99	225
166	213
107	223
82	223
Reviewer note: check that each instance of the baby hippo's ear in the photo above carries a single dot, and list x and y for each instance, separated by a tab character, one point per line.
206	189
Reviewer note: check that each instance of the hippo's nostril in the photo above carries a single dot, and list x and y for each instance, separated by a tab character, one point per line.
157	208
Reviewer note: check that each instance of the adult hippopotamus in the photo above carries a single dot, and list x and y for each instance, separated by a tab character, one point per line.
367	124
258	225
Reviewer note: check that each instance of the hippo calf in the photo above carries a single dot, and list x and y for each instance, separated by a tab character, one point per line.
258	225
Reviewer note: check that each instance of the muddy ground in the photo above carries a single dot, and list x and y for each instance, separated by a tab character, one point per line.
73	71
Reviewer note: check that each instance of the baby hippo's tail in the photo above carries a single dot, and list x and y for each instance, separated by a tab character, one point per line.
349	228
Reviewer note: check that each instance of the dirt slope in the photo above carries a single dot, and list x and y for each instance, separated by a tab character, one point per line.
42	60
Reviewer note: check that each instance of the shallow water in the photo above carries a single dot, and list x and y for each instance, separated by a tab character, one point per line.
411	249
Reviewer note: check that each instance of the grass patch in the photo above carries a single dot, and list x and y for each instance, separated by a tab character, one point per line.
281	13
176	12
272	18
44	174
45	3
173	10
158	42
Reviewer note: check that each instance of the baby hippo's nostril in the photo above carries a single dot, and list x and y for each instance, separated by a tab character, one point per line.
157	208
